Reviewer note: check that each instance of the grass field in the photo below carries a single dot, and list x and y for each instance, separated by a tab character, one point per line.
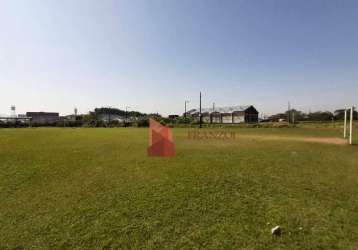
97	189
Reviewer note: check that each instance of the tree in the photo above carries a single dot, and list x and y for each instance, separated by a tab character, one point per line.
339	114
294	114
320	116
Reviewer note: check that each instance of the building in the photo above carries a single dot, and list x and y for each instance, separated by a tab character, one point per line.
110	117
227	115
173	117
43	118
69	118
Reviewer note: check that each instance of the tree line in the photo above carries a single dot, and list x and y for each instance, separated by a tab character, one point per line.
296	115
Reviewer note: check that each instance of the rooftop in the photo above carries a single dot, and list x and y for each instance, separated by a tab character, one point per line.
228	109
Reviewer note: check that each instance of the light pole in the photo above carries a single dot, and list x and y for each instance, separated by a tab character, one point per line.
200	119
289	113
109	115
351	126
345	124
125	120
185	109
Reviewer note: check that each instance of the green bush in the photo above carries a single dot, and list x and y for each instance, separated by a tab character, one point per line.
143	123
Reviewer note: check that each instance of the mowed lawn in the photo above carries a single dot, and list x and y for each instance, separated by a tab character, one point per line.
87	188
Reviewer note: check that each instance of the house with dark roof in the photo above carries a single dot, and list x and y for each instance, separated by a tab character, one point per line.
231	114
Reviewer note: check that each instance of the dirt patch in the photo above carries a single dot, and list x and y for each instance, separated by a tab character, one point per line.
325	140
329	140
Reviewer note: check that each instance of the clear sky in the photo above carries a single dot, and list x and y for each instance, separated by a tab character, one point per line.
151	55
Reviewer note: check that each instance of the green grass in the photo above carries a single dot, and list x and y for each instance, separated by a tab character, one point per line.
97	189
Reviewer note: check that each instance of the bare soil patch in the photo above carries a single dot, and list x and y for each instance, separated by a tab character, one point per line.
324	140
329	140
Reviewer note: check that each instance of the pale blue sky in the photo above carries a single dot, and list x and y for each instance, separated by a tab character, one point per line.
151	55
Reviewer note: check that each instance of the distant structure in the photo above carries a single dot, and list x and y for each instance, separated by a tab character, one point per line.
227	115
43	118
13	111
14	120
111	117
173	117
76	111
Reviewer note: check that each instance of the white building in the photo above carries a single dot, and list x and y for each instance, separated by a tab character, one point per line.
227	115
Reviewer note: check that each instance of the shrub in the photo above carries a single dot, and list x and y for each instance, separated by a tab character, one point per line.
143	123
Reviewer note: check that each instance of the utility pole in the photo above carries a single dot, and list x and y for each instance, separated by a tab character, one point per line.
75	111
345	124
293	117
185	109
109	115
213	106
351	127
200	119
289	112
126	114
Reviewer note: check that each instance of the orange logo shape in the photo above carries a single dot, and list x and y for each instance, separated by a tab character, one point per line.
160	140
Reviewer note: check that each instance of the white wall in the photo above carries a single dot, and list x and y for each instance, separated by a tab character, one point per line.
206	118
239	118
227	118
216	119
